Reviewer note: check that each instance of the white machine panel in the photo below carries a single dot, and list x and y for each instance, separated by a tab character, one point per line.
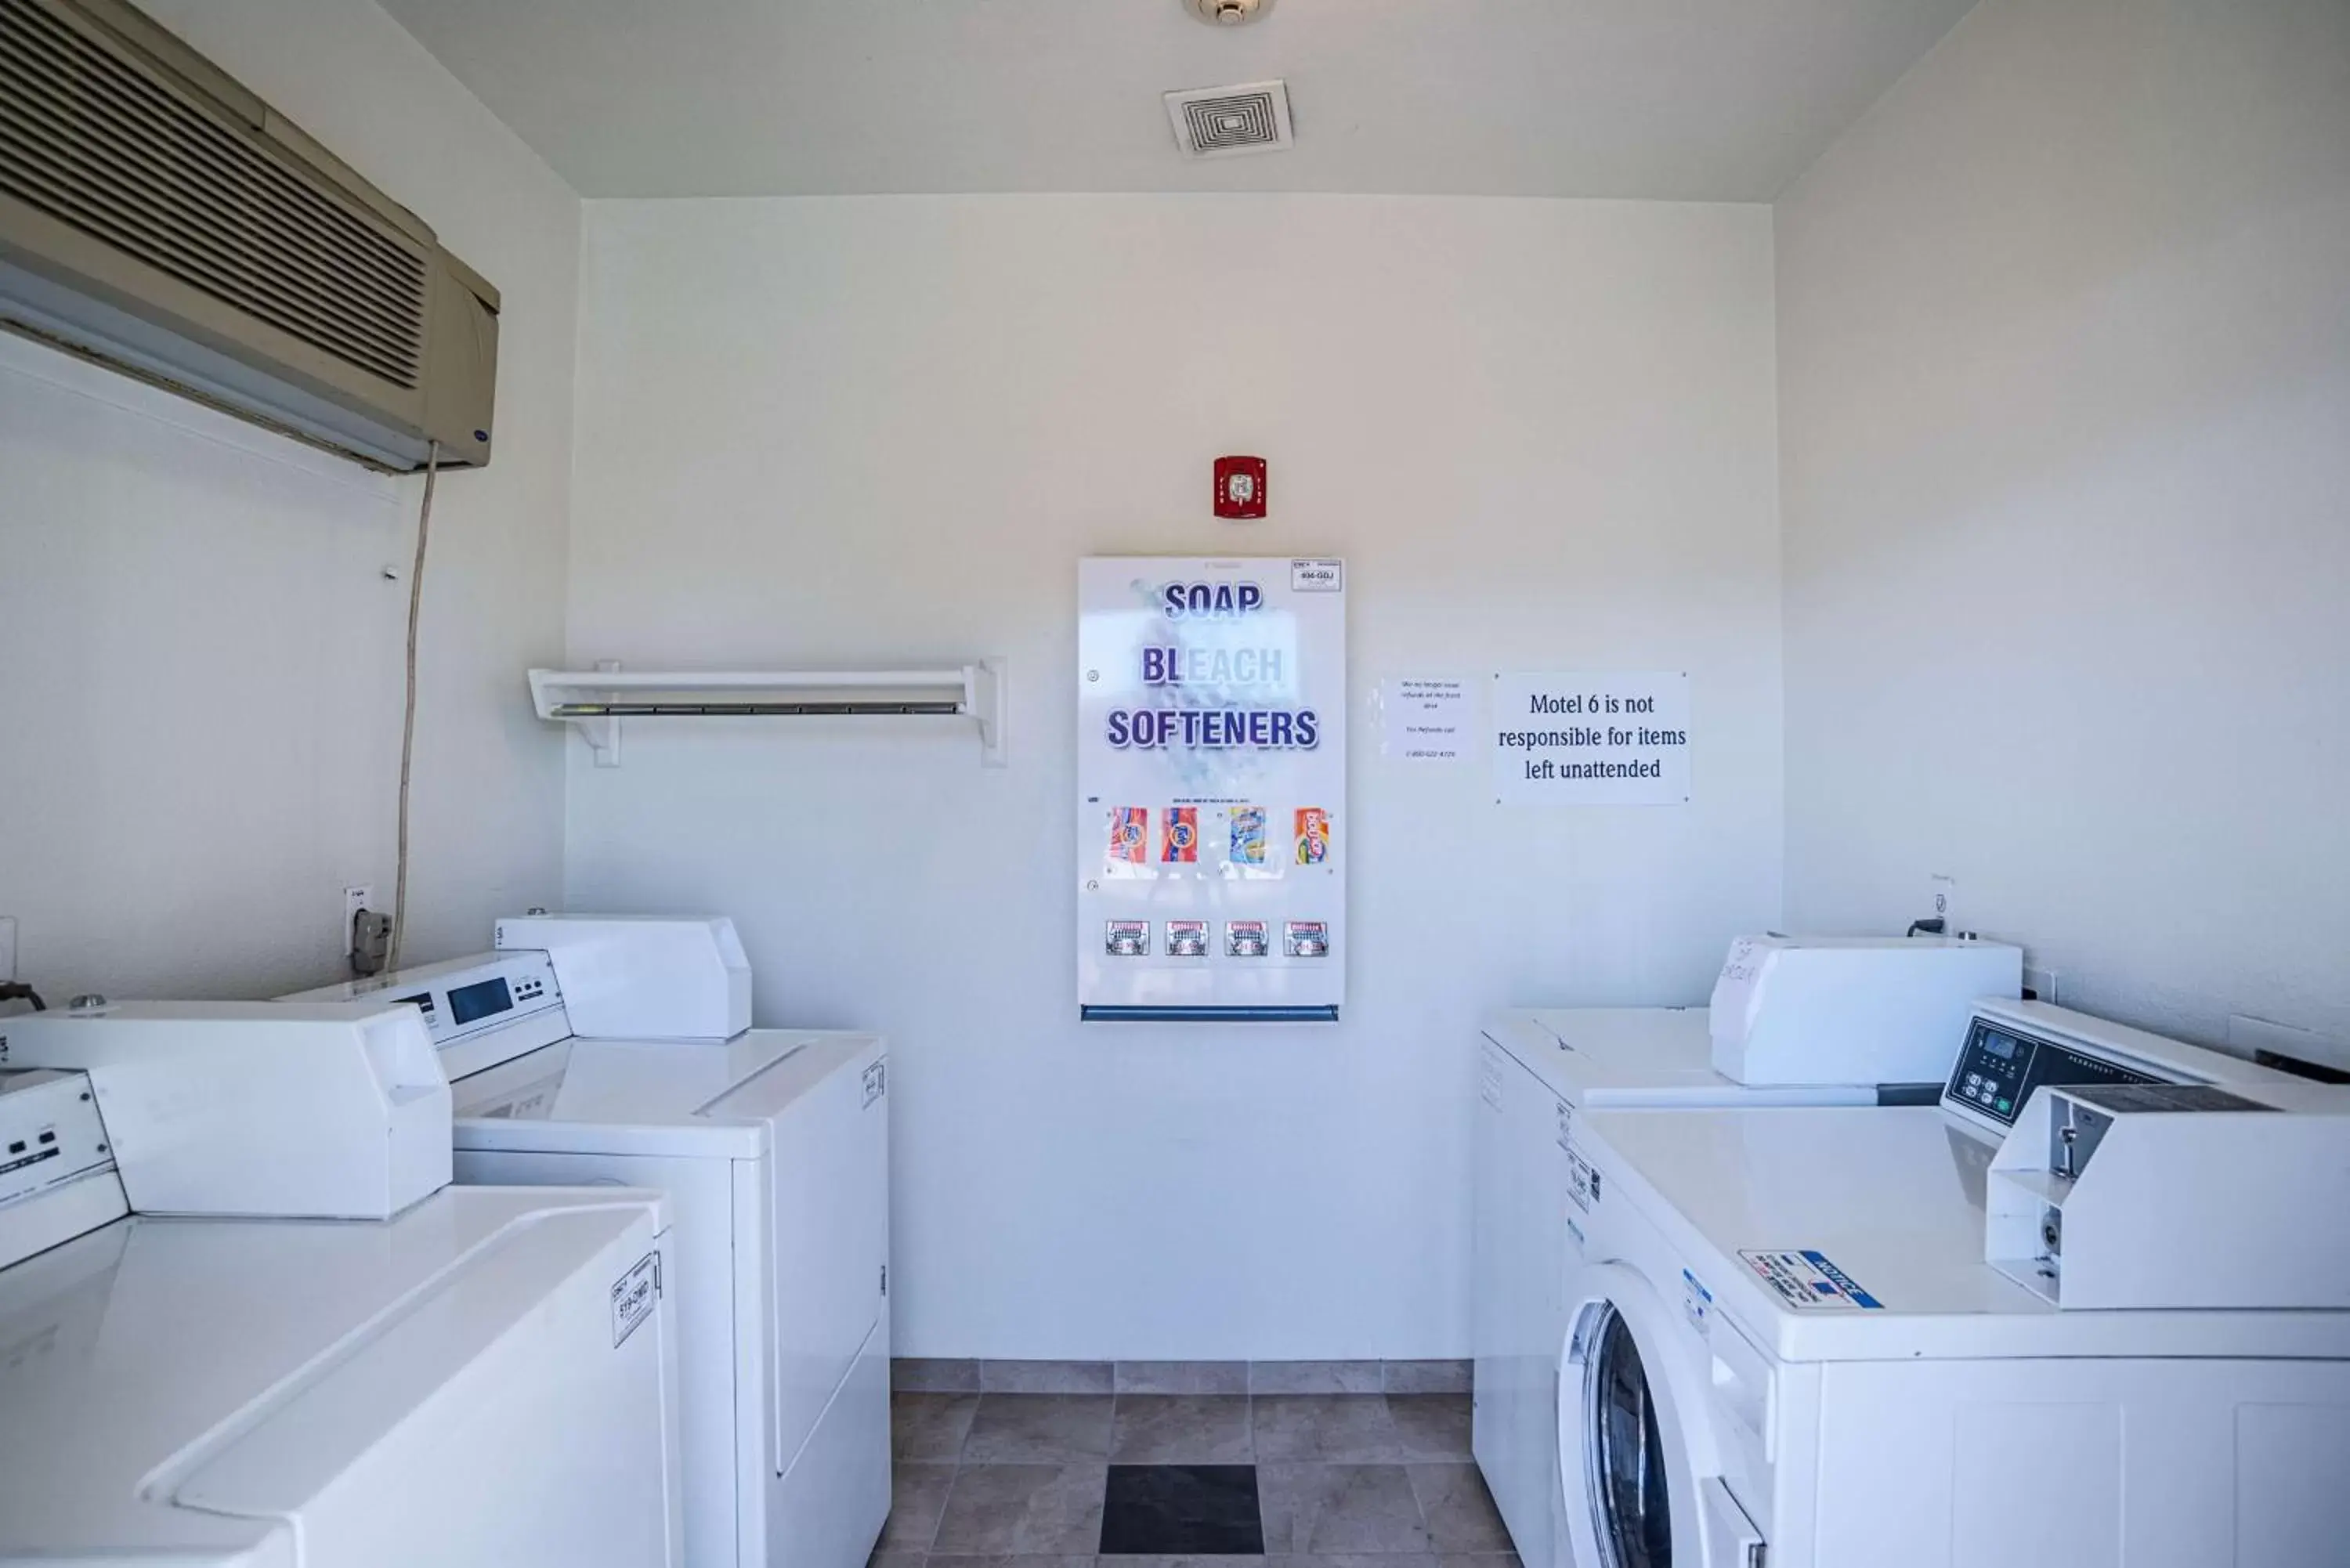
1212	835
56	1173
2170	1195
1857	1010
479	1010
49	1131
642	977
334	1110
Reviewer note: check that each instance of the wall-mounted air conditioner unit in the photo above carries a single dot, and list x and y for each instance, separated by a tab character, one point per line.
156	216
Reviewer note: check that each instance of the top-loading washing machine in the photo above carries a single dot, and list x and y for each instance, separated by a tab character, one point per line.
2035	1326
592	1049
245	1321
1793	1022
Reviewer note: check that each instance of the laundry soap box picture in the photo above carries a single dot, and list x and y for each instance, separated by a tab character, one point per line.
1180	841
1212	692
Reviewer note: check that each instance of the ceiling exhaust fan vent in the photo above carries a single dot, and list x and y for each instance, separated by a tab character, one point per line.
1221	122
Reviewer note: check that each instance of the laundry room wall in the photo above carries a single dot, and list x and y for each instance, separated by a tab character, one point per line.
203	653
855	432
2065	338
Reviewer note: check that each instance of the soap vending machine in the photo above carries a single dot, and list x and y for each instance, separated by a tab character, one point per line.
1212	835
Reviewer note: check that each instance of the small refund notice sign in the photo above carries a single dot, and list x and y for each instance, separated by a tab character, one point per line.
1580	739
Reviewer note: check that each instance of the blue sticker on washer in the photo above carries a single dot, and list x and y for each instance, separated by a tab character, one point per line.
1697	1304
1805	1280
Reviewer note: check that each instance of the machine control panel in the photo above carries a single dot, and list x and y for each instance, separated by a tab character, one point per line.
49	1131
484	996
2001	1066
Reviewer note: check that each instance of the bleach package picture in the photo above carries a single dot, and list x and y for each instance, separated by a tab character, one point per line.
1215	688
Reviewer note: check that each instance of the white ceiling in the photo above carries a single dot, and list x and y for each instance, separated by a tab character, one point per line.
1690	99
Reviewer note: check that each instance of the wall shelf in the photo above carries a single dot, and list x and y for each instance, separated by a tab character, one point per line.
597	700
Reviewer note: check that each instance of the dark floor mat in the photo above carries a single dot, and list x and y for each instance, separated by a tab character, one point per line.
1182	1510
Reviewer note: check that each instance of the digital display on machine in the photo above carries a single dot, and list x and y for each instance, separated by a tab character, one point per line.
483	999
1998	1071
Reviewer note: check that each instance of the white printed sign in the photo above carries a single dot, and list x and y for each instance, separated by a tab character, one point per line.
1591	740
1212	835
1426	719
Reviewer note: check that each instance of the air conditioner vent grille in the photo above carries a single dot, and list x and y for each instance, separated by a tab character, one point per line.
89	140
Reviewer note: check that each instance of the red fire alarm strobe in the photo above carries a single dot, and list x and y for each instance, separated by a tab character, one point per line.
1240	487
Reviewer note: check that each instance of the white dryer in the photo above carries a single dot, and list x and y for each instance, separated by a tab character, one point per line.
1787	1347
772	1146
476	1377
1874	1008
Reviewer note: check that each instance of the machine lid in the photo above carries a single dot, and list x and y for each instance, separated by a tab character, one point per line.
1845	1233
715	1098
161	1375
1599	1056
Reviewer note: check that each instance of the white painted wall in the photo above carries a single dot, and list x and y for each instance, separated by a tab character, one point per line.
202	700
836	431
2065	338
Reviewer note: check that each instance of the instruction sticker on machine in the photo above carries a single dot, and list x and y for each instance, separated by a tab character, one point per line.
1807	1282
1582	1179
634	1295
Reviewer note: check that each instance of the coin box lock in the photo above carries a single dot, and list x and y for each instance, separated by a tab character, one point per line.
1306	939
1128	938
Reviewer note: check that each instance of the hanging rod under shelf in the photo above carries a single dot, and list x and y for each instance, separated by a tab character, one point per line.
750	710
596	701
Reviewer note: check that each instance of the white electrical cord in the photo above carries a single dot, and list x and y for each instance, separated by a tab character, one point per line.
408	719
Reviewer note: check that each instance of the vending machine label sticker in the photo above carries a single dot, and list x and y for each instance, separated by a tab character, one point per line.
1128	938
1565	1126
1807	1282
1187	939
1313	836
1306	939
1129	834
1178	839
1245	938
1248	835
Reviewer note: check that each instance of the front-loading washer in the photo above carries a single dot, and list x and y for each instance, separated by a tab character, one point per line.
1881	1004
1786	1348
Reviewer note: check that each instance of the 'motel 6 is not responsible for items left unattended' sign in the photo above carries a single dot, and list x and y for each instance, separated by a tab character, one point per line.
1213	836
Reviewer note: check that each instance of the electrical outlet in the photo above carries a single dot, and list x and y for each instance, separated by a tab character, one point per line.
354	900
1942	900
2041	984
7	948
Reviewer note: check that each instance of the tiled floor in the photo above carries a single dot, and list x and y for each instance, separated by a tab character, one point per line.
1187	1480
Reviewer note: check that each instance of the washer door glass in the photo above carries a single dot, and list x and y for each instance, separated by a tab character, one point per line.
1626	1455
